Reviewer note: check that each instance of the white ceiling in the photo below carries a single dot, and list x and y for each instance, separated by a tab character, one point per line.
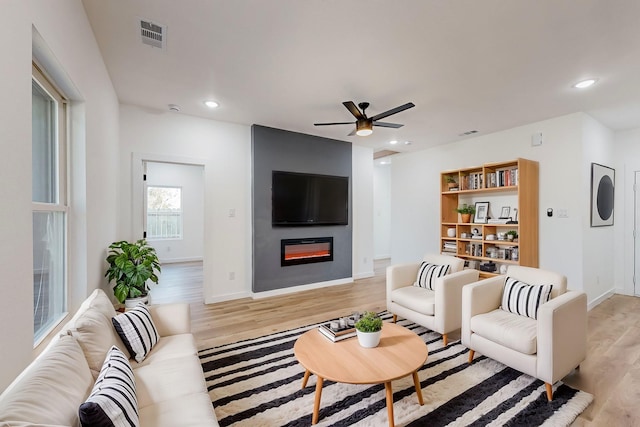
484	65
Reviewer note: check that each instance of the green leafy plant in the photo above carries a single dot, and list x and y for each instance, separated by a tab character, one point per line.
466	209
130	266
513	233
369	322
450	179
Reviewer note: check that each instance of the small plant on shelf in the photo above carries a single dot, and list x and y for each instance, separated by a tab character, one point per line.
466	211
512	235
451	182
369	322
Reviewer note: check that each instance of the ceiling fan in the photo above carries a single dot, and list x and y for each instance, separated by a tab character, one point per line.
364	124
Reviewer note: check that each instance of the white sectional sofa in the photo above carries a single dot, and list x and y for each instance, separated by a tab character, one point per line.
170	386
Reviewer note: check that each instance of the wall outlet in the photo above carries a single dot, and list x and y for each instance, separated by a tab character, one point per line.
563	213
232	213
232	275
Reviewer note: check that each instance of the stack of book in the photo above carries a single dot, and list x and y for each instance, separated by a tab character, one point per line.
450	247
336	334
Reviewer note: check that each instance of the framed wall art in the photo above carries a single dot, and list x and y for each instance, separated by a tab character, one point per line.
602	191
482	212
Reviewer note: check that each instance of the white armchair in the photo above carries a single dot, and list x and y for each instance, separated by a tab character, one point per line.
438	309
548	347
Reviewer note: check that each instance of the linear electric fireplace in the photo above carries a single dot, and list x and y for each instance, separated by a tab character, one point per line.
306	251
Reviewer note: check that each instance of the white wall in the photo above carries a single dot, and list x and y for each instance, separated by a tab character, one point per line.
362	200
627	161
225	151
381	211
563	170
190	179
65	44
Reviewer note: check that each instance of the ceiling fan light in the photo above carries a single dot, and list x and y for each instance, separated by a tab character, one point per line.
363	128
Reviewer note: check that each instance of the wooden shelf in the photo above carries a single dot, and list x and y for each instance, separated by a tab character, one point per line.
516	180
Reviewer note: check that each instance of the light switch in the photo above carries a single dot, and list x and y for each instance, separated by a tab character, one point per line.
563	213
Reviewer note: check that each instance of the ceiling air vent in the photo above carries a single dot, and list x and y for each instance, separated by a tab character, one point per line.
153	34
469	132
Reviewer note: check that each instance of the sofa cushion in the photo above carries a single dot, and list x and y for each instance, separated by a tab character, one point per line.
516	332
194	410
168	379
524	299
428	273
112	401
50	389
169	348
96	335
415	298
137	331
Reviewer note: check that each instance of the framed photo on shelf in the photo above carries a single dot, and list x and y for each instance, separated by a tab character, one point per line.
602	189
482	212
504	213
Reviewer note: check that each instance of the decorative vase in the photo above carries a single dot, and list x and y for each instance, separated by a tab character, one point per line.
465	217
368	339
132	302
451	232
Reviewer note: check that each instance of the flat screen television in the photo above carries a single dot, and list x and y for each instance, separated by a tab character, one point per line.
309	199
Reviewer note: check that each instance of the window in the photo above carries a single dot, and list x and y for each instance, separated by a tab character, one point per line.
48	170
164	213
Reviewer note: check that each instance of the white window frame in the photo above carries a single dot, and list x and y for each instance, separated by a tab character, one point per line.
146	213
60	204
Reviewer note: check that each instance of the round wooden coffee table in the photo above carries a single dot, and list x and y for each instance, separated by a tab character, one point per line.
399	354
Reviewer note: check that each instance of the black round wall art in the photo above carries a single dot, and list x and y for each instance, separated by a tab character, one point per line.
605	198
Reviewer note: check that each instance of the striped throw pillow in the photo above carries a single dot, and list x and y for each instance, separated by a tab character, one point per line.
524	299
137	331
112	401
427	273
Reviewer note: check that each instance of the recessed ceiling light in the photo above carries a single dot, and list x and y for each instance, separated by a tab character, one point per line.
211	104
173	107
394	142
585	83
407	143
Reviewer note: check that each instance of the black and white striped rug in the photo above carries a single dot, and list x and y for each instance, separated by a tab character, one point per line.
258	382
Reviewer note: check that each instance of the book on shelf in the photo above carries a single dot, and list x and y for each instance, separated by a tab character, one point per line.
336	335
498	220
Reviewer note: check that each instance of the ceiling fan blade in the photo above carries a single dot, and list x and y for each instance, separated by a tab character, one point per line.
393	111
353	132
353	109
330	124
388	125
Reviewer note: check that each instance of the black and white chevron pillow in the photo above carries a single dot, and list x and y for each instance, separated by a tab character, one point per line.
524	299
427	273
112	401
137	331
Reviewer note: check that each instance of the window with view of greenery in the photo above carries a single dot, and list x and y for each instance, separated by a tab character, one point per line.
164	213
48	205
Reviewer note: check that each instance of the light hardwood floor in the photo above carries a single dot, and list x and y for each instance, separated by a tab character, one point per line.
611	372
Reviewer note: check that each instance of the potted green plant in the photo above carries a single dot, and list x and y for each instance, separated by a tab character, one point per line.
512	235
131	265
451	182
369	329
466	211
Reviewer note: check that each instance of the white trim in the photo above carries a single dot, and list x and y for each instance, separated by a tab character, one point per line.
293	289
178	260
364	275
595	302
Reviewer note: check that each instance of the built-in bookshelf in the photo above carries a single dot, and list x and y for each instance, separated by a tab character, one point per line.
511	191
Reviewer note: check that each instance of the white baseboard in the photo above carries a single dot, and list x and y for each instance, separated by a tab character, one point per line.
599	299
293	289
226	297
363	275
177	260
622	291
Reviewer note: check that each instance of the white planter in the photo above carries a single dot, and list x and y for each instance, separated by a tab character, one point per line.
368	339
132	302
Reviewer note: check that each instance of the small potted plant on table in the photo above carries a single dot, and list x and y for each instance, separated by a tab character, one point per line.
369	329
131	265
466	211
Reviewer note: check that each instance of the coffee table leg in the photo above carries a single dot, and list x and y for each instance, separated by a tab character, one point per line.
316	403
306	378
416	382
387	387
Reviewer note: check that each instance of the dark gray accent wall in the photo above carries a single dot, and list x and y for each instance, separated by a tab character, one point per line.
275	149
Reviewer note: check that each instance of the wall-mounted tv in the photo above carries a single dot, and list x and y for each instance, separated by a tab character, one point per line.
309	199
